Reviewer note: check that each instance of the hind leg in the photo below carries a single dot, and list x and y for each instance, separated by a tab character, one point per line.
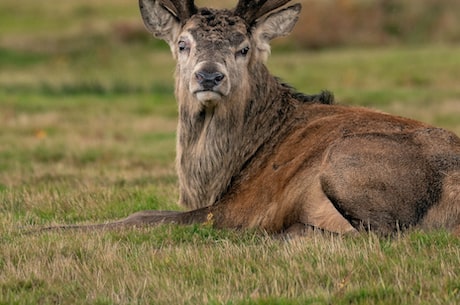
319	212
378	182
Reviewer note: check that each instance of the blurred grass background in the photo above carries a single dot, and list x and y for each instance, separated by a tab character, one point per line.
323	23
76	46
332	23
394	55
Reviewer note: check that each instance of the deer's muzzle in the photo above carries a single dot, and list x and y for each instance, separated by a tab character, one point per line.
209	82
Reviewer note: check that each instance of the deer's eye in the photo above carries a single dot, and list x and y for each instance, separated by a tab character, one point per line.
243	52
183	46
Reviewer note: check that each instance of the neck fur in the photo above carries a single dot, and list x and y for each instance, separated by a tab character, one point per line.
215	144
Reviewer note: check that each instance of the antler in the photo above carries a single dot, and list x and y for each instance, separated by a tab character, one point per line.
183	10
252	10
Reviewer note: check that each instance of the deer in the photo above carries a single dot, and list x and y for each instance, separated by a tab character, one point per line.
253	153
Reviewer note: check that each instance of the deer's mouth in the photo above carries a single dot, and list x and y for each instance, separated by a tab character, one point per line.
208	96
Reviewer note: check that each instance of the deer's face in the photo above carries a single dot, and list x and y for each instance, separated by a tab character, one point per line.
215	49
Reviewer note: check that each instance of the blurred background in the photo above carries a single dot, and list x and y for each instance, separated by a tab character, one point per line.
336	23
54	32
87	33
324	23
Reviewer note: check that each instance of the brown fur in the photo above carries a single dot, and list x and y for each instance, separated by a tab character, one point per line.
253	153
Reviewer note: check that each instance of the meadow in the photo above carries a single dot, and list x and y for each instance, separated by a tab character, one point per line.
87	134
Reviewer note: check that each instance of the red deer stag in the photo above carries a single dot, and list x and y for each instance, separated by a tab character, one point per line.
254	153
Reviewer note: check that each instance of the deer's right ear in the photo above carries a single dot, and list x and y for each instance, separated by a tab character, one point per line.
275	25
159	21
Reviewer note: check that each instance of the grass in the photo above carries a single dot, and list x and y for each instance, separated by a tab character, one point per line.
87	134
196	265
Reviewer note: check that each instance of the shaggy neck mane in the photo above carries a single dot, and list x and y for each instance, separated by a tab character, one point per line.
215	145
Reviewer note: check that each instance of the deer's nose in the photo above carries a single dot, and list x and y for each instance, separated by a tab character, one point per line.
209	80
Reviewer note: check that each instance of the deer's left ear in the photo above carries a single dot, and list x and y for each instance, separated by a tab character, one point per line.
275	25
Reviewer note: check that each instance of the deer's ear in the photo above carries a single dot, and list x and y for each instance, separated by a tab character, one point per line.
275	25
159	21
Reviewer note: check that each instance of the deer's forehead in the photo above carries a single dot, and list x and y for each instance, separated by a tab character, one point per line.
217	27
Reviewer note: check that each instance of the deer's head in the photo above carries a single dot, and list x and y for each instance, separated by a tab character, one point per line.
217	50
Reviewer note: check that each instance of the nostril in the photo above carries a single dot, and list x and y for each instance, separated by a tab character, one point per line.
218	78
200	76
209	80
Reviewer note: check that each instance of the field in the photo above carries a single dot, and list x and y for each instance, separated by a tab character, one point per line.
87	134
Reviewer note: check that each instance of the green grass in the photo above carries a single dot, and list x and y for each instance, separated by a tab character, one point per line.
87	134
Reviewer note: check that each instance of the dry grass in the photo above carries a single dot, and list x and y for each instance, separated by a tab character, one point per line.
196	265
